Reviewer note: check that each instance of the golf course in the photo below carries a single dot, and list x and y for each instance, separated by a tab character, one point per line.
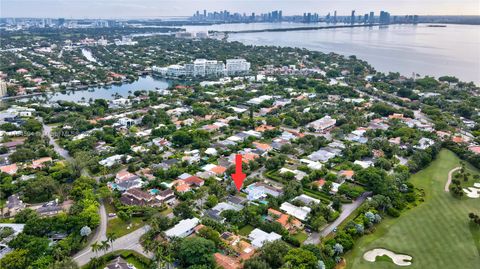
436	233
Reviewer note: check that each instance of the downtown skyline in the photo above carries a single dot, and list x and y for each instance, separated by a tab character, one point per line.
145	9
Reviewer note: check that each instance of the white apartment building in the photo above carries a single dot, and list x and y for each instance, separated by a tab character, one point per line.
204	67
173	70
237	66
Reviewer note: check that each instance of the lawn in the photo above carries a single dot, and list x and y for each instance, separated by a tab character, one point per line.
245	230
110	208
119	227
301	236
437	233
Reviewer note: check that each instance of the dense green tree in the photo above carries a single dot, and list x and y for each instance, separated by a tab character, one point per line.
17	259
183	210
32	125
196	251
256	263
273	253
300	259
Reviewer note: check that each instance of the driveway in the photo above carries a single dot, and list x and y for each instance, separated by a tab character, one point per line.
347	210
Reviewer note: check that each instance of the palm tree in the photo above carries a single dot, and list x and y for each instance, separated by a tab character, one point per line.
163	255
111	237
96	247
290	220
154	224
105	246
66	263
95	262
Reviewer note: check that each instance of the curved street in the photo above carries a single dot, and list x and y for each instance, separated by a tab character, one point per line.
129	241
100	233
47	131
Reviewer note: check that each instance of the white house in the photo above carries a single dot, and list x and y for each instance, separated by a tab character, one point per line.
298	212
322	124
312	164
424	143
259	237
110	161
183	229
363	164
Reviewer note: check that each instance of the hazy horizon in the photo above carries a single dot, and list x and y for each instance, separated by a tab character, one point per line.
131	9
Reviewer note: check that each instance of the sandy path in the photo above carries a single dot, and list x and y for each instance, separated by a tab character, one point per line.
449	180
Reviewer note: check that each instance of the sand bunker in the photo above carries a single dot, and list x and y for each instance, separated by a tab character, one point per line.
473	192
398	259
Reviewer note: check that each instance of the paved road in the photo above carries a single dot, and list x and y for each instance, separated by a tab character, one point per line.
449	180
347	210
47	131
100	233
130	241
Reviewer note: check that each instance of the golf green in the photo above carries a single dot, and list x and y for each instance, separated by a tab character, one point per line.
437	233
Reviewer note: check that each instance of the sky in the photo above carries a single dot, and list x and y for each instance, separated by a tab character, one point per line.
128	9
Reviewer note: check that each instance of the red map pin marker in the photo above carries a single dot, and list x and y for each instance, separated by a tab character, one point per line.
238	176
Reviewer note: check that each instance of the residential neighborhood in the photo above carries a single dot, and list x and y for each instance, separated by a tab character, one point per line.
145	179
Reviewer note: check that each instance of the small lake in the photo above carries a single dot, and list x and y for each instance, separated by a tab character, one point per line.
147	83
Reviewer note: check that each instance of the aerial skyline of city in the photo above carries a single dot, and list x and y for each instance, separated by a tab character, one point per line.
117	9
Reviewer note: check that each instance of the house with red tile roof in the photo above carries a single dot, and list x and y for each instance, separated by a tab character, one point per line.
264	127
288	222
40	162
243	249
248	157
182	188
218	170
9	169
186	184
226	262
320	183
124	175
395	140
22	71
443	134
474	149
377	153
262	146
194	180
396	116
348	174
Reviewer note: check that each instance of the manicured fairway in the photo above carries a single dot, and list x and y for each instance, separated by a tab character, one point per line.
436	233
